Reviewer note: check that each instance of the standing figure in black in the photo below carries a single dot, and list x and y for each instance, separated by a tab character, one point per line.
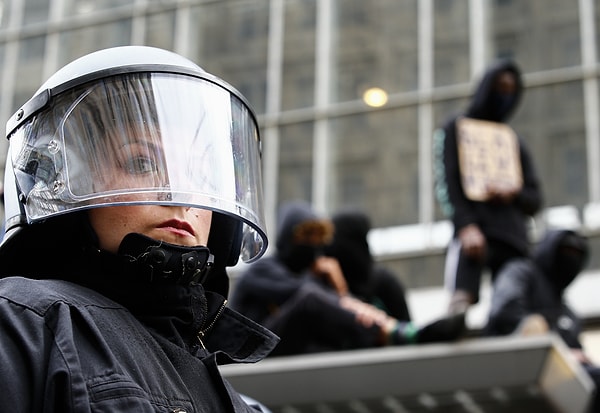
486	183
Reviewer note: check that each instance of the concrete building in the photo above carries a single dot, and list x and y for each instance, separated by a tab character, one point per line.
306	67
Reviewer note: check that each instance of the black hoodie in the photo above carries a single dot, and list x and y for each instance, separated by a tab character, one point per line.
351	248
366	279
269	282
505	223
536	286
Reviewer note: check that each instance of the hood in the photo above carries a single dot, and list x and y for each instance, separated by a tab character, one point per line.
301	235
487	103
351	248
561	255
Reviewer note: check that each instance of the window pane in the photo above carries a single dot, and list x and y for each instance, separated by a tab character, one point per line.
160	30
375	46
597	24
36	11
451	42
5	11
551	121
375	165
295	162
520	28
298	75
30	64
235	51
79	7
76	43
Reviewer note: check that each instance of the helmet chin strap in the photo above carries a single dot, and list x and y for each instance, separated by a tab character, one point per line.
167	263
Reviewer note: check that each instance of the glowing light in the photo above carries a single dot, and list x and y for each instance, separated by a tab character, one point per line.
375	97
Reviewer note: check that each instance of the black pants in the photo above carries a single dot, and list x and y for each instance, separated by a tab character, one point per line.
464	273
313	321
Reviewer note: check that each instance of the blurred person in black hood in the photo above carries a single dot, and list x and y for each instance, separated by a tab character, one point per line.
367	280
536	285
489	225
528	295
301	295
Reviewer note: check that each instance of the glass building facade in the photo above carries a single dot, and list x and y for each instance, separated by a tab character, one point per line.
306	65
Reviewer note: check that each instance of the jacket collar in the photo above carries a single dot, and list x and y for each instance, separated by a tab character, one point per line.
186	314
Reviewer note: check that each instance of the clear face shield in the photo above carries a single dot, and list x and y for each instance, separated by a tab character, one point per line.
144	138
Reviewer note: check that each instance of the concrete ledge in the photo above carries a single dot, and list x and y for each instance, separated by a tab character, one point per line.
485	375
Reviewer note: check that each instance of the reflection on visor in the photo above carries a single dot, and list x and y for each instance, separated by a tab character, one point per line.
126	135
141	138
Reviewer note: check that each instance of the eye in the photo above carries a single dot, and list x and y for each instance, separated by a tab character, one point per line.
139	165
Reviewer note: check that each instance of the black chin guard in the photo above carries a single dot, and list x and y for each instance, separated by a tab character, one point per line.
167	263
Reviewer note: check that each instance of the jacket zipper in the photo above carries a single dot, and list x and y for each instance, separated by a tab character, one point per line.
202	333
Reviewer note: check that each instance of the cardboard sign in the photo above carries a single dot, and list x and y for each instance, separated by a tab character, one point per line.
488	154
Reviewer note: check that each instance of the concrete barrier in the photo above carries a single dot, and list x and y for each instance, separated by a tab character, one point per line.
508	374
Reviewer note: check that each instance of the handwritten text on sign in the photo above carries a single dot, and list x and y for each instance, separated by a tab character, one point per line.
488	155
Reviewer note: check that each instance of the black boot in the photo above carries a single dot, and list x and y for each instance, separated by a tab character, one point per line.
449	328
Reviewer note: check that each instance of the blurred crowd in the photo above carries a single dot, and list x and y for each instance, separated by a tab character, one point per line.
320	288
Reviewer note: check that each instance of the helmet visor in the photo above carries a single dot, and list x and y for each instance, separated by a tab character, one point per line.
144	138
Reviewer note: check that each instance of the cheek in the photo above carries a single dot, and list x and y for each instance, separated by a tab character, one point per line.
202	221
110	227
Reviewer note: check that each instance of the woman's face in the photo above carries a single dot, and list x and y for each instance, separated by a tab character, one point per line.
134	160
173	224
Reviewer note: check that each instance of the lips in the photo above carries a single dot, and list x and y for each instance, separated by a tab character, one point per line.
178	225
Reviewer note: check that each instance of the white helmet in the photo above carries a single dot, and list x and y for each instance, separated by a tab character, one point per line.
184	136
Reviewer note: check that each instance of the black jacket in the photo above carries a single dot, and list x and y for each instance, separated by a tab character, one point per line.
536	286
66	348
505	223
84	331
